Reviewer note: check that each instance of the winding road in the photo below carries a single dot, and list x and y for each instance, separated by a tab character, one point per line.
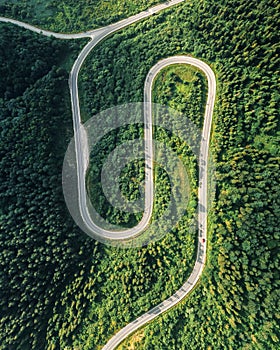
96	37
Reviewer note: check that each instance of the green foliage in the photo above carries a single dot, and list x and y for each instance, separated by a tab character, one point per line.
131	181
183	88
235	305
132	176
71	15
85	291
39	246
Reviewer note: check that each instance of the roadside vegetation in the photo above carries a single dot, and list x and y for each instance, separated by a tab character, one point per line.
71	16
59	288
184	88
185	85
233	306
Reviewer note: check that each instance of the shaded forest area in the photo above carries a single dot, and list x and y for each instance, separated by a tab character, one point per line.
40	249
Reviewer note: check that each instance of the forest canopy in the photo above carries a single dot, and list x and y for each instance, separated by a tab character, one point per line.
72	16
59	288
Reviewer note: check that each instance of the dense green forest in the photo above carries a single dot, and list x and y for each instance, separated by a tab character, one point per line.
184	88
71	16
58	287
184	84
235	305
40	248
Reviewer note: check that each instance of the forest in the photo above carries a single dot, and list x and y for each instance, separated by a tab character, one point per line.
240	284
183	83
71	16
40	247
61	289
